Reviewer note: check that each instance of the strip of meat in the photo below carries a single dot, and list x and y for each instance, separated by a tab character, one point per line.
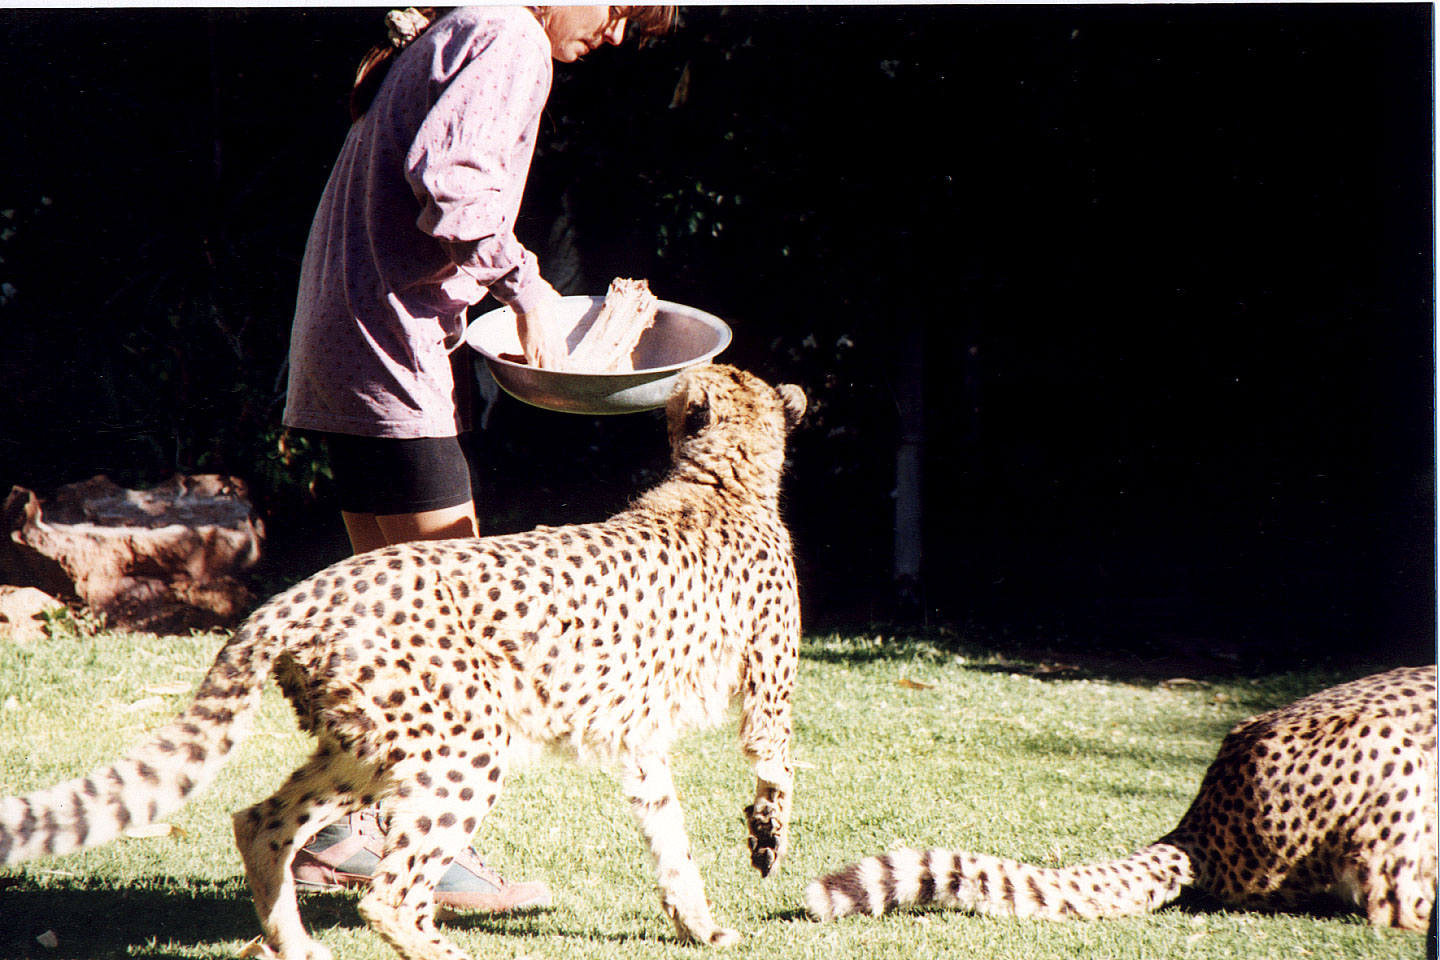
629	310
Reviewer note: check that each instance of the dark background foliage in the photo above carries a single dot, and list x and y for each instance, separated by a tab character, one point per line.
1157	279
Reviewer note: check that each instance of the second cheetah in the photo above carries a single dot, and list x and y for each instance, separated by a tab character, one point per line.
421	668
1335	793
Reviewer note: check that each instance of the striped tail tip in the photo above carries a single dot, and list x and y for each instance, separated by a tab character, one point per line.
854	888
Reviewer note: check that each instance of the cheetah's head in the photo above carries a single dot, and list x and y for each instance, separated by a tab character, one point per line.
731	424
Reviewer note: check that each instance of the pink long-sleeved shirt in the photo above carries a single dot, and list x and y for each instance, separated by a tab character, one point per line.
416	223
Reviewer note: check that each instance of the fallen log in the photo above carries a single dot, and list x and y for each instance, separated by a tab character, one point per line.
162	560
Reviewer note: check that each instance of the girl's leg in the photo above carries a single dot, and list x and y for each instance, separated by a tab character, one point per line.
456	521
364	530
396	491
391	475
369	531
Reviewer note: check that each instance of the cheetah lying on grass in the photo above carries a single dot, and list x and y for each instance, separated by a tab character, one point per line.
420	667
1333	793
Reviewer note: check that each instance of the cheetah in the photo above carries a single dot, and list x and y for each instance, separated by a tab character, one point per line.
425	670
1334	793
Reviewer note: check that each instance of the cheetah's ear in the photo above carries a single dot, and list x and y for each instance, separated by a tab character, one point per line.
697	412
794	399
687	412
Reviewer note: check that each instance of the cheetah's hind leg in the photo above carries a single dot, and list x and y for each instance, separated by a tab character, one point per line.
1398	875
651	791
428	825
328	786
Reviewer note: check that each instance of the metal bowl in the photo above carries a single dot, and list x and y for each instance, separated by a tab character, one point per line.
682	337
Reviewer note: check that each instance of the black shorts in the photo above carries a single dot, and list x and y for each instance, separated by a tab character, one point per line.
385	476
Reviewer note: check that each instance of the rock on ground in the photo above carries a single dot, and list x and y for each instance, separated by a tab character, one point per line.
22	613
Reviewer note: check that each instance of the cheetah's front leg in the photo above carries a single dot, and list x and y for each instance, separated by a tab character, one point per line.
768	818
765	733
651	790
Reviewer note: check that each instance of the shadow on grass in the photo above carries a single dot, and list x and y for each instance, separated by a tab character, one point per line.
539	923
147	919
1044	663
1152	668
167	919
1319	907
1190	902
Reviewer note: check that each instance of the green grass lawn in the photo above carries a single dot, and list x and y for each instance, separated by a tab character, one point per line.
897	742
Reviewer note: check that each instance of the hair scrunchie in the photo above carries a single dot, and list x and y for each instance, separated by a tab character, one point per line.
405	25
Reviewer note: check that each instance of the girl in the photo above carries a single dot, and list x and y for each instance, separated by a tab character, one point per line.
416	223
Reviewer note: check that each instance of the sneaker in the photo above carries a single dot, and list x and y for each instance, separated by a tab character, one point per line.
343	855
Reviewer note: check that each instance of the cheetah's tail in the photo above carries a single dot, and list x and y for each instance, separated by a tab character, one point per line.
1140	883
156	778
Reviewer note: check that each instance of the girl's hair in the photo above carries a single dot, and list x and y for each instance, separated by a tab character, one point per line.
405	25
647	22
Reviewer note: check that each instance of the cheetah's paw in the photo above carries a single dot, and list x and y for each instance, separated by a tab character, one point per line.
261	950
724	937
767	835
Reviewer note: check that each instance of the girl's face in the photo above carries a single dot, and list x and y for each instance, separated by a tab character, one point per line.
576	31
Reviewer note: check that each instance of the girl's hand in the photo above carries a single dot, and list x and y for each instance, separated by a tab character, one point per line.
542	335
